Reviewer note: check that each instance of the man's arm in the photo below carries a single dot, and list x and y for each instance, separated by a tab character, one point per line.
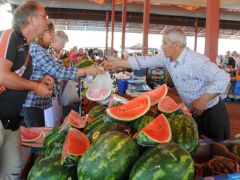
217	79
116	64
11	80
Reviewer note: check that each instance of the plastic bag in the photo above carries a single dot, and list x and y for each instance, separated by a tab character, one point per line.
100	89
69	94
52	115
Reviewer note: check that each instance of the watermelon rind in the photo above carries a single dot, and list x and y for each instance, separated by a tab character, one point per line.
110	157
110	117
144	140
164	161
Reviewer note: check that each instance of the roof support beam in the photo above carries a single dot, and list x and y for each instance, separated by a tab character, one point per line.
212	29
124	17
146	18
113	21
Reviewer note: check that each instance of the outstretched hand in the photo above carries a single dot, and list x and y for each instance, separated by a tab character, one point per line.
108	65
94	70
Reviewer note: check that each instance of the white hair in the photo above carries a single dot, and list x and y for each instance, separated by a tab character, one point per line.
61	37
176	35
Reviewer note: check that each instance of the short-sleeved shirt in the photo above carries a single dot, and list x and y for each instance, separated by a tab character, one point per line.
14	48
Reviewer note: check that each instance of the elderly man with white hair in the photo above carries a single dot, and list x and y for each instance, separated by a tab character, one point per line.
198	81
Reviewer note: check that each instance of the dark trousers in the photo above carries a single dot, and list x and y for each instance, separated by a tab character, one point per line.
33	117
214	122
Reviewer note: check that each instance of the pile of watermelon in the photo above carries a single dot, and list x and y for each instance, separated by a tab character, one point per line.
145	138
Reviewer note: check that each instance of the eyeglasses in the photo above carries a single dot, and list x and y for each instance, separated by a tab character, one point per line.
50	31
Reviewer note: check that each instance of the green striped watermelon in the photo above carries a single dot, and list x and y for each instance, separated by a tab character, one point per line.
164	162
110	157
140	123
168	106
110	127
50	168
96	111
50	136
185	132
129	111
157	131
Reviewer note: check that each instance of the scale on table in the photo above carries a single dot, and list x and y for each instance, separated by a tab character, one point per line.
136	87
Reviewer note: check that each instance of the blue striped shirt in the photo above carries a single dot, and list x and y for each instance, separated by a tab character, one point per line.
44	64
193	74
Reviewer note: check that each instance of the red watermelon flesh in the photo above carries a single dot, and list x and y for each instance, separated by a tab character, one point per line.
131	110
30	135
167	105
74	119
76	143
158	130
157	94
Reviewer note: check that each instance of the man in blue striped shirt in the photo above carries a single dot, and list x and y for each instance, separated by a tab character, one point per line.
198	81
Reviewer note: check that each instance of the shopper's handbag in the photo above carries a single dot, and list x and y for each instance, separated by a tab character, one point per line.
69	94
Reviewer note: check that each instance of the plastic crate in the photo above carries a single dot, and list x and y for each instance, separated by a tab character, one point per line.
237	87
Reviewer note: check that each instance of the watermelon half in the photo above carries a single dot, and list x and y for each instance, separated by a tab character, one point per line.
73	119
30	135
157	131
129	111
157	94
168	106
76	143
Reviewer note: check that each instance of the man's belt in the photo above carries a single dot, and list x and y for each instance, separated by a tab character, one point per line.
10	124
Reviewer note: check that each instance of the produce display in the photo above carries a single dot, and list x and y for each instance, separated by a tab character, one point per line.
146	138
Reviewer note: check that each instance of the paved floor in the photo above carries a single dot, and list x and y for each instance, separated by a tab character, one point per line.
232	107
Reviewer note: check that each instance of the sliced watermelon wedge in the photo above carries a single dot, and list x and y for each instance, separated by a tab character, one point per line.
157	131
129	111
157	94
168	106
73	119
30	135
76	143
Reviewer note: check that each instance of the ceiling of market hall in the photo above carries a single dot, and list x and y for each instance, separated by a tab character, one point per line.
91	15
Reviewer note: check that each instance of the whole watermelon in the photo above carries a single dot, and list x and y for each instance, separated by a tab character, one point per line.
110	157
50	136
185	132
110	127
97	111
50	168
140	123
164	162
